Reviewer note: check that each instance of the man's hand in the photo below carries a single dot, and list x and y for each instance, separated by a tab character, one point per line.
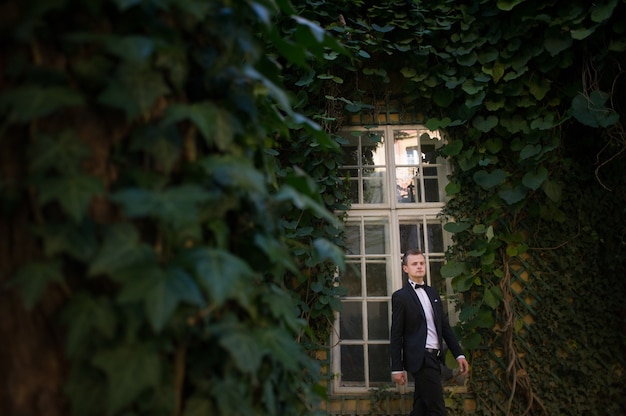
399	378
463	365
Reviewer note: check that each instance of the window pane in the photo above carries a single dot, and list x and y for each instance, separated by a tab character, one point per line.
375	239
411	237
352	363
380	368
435	237
354	191
436	280
405	147
377	320
351	279
351	321
405	184
432	190
374	187
376	279
353	239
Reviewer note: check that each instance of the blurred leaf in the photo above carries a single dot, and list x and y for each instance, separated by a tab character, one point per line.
243	347
87	317
488	180
325	250
32	280
120	249
134	89
176	206
453	148
534	179
78	241
221	274
130	370
454	227
73	192
164	295
492	297
591	111
235	172
485	124
63	153
216	124
28	102
513	195
452	269
552	189
557	44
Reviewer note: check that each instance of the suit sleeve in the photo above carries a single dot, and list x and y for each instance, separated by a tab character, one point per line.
396	338
449	337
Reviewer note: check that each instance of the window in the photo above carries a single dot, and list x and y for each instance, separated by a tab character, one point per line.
396	184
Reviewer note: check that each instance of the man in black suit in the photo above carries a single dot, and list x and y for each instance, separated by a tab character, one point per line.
418	329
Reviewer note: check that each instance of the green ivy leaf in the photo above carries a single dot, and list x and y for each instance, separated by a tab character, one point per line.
529	151
539	87
493	297
62	153
485	124
557	44
453	188
243	347
177	206
462	282
73	192
453	227
134	90
591	111
199	406
120	249
443	97
216	124
488	180
452	269
583	33
160	291
32	280
602	11
130	48
29	102
452	148
85	317
221	274
79	241
552	189
382	29
513	195
535	178
507	5
236	172
130	370
325	250
494	145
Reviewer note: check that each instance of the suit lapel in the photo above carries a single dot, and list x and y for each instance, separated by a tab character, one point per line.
418	304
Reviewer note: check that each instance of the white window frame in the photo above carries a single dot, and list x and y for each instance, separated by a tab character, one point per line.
395	213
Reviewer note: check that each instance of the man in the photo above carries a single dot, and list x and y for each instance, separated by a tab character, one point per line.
418	329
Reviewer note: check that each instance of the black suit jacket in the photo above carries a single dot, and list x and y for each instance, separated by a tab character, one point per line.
408	329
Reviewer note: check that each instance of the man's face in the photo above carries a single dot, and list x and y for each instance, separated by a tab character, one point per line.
415	266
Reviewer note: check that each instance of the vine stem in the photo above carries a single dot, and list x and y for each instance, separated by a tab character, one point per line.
515	371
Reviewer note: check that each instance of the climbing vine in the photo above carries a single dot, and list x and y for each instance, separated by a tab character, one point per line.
530	98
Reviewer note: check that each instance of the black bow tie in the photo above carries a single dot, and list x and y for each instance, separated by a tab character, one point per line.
419	286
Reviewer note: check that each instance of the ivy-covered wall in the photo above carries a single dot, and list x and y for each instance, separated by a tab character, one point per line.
531	96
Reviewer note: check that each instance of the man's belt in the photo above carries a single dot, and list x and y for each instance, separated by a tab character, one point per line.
433	351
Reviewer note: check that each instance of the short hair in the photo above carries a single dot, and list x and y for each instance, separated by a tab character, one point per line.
410	252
